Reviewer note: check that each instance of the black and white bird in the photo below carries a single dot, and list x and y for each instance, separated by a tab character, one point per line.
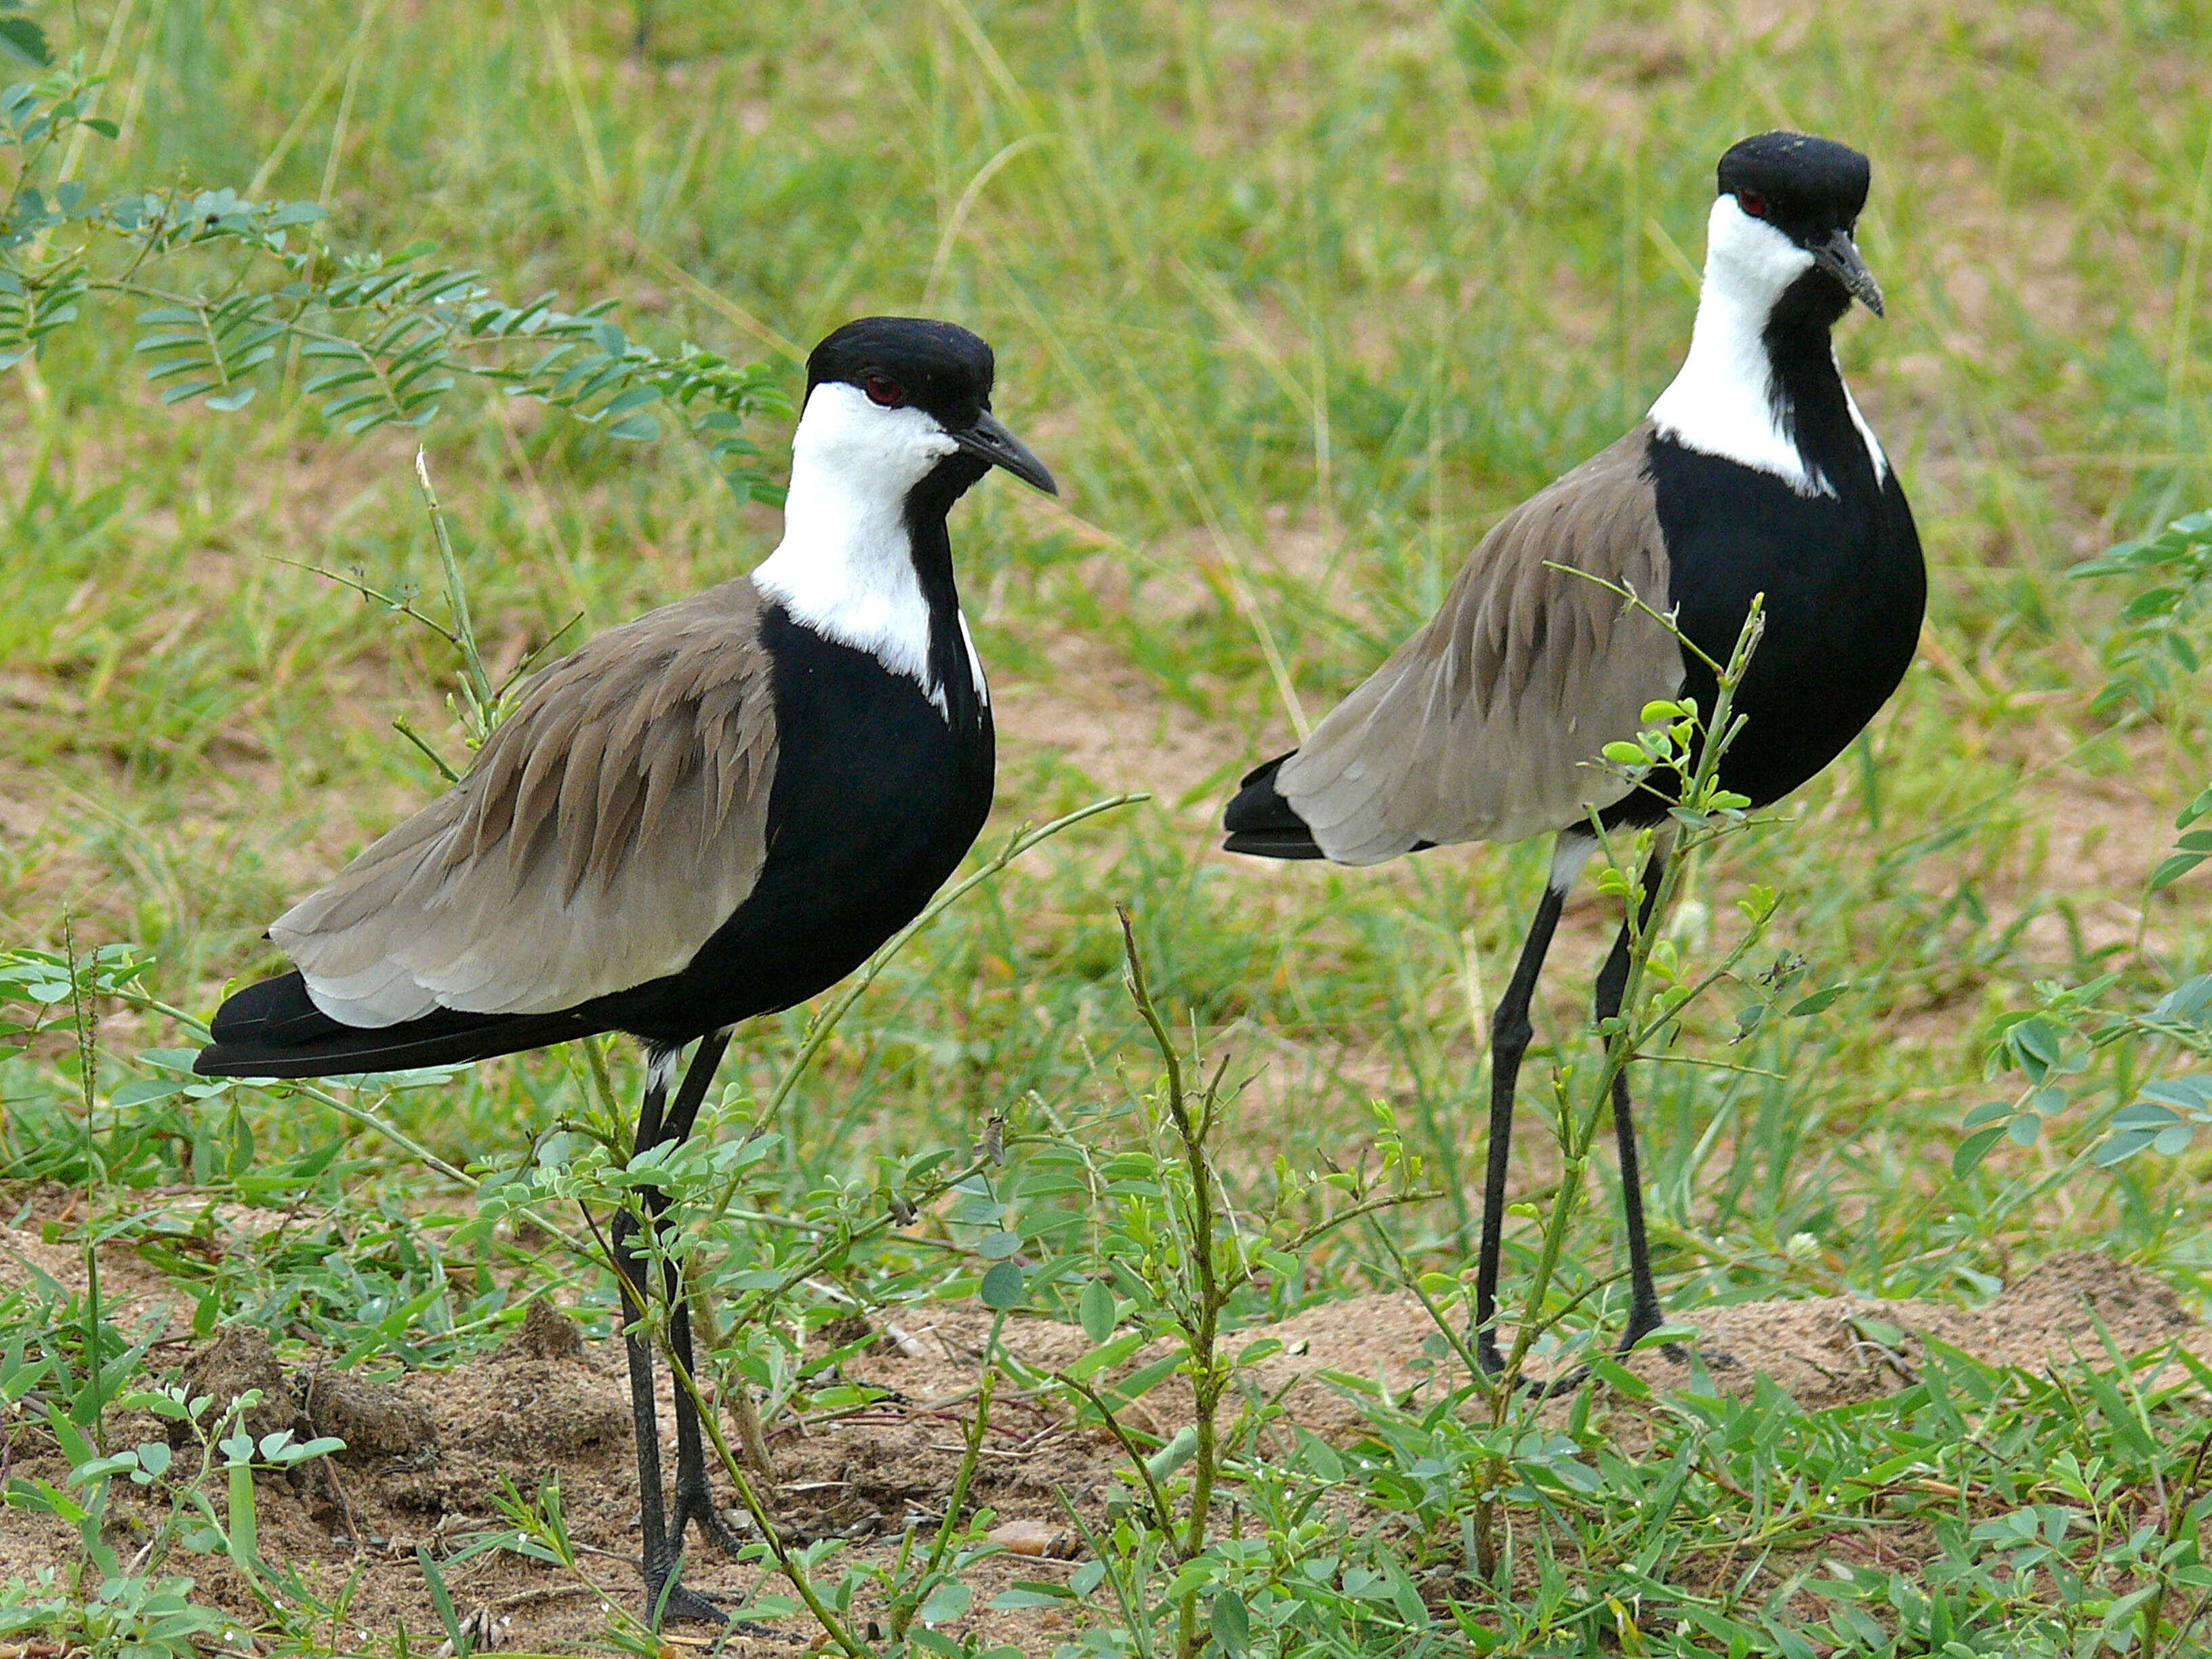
1753	473
712	812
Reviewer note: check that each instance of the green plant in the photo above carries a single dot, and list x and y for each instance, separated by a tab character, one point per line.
232	294
1176	1265
2094	1047
115	1608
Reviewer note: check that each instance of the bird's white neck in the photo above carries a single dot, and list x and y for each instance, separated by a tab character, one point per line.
1727	400
845	566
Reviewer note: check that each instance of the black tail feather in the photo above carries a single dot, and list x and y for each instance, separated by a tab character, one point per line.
1262	822
274	1029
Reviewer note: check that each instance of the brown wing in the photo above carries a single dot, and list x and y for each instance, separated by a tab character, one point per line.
612	824
1482	725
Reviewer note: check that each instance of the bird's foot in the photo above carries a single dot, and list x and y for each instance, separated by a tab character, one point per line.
697	1503
1641	1323
1554	1388
693	1606
667	1599
1536	1387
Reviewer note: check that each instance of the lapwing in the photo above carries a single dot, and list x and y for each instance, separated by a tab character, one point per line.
1753	473
710	813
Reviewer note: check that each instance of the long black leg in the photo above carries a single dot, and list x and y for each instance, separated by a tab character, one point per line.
1644	1315
695	1499
657	1560
1510	1035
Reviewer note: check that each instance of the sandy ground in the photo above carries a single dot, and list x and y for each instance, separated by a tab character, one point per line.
427	1451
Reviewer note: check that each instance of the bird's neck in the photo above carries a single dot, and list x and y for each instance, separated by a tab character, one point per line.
1760	386
872	567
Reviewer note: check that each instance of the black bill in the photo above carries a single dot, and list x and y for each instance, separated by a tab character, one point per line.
1839	257
989	441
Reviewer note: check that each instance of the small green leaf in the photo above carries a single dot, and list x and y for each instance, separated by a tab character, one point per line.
1106	1355
244	1536
1974	1149
2038	1043
2121	1147
1002	1286
2173	869
1031	1593
1097	1311
950	1600
998	1246
1265	1347
1818	1001
100	1468
1142	1381
22	38
1618	1377
1231	1621
1173	1455
148	1089
1320	1456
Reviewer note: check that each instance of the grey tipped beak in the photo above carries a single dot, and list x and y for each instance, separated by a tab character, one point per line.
1839	257
989	441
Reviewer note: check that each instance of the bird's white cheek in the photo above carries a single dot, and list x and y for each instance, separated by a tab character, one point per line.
1750	256
872	450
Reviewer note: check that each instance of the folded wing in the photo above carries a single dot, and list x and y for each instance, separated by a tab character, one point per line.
613	821
1483	725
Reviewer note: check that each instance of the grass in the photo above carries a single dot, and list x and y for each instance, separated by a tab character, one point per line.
1293	302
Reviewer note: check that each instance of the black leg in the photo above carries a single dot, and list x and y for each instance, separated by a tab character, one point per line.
1644	1315
657	1560
695	1499
1509	1035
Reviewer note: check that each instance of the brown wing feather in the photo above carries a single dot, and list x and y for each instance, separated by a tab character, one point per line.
612	822
1481	727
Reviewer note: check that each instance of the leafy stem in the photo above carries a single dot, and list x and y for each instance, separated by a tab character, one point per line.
1697	820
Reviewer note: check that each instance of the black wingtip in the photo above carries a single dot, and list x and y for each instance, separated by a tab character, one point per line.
261	1023
272	1029
1260	821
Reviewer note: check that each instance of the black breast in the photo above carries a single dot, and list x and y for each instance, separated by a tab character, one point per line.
1844	588
879	795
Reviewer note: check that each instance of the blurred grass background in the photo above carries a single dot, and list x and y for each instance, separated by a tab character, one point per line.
1294	301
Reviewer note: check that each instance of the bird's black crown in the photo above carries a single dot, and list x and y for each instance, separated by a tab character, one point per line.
1806	187
938	366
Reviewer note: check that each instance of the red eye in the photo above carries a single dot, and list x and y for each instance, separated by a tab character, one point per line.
889	394
1752	202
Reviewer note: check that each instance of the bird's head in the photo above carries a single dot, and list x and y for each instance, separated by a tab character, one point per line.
895	402
1789	204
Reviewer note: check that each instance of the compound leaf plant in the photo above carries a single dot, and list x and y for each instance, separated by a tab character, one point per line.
229	296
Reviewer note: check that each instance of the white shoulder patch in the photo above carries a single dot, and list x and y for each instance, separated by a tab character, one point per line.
1873	443
975	663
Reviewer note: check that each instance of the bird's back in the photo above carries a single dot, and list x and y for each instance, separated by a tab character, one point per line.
1482	725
